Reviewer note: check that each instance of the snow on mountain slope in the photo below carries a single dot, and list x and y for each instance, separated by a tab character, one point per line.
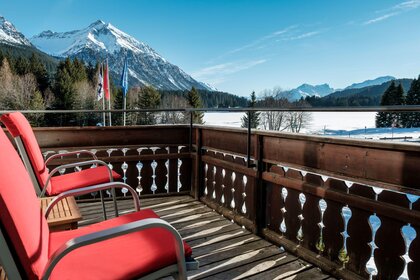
305	90
10	35
102	40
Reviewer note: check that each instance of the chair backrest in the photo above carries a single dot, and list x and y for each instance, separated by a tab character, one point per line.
19	127
20	212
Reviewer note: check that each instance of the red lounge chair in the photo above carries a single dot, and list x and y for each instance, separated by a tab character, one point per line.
131	246
44	181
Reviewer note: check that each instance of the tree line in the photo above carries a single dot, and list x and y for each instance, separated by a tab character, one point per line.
394	95
25	84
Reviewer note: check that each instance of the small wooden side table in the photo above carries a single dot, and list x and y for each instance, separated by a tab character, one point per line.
64	215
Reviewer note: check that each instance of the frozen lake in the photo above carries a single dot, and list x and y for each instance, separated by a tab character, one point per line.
319	120
345	124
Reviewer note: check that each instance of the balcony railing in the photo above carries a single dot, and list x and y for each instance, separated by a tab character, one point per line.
349	206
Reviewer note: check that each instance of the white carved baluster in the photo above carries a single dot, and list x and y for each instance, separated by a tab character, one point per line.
62	170
206	168
222	199
109	152
139	166
232	202
179	175
45	154
320	246
167	175
154	164
153	188
302	200
124	168
283	210
245	181
94	151
77	168
214	182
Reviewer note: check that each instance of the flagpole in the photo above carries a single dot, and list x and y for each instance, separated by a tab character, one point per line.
124	86
125	107
103	107
109	107
109	90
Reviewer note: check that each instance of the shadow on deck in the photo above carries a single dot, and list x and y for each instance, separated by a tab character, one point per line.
224	249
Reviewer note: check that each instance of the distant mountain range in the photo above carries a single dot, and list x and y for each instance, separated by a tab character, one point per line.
324	90
374	82
364	96
306	90
102	40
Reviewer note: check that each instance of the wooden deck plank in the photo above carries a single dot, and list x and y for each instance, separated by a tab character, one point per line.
204	219
254	267
224	249
201	242
227	267
192	232
288	270
224	253
313	274
226	245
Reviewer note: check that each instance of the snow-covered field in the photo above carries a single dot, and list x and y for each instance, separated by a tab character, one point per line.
344	124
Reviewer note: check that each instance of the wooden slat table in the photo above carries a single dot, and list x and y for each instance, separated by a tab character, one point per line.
64	215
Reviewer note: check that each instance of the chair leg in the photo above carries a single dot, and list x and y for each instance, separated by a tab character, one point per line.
103	204
114	199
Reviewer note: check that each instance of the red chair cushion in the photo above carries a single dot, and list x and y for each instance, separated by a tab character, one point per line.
124	257
18	125
84	178
20	212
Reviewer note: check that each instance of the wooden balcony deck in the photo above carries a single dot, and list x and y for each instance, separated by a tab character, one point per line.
224	249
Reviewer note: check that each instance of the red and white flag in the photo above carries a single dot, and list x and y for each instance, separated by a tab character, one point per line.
106	82
100	94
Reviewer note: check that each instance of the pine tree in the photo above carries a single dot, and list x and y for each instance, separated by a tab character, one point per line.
21	66
118	100
68	74
37	103
40	71
413	98
149	99
254	117
394	95
194	101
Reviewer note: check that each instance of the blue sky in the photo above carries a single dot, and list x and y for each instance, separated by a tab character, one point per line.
244	45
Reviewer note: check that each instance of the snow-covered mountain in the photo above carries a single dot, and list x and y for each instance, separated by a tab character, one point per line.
374	82
305	90
10	35
102	40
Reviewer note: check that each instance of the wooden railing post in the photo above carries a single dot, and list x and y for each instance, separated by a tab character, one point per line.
197	187
260	191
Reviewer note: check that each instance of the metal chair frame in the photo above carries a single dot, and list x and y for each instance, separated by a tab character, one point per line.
40	190
178	270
